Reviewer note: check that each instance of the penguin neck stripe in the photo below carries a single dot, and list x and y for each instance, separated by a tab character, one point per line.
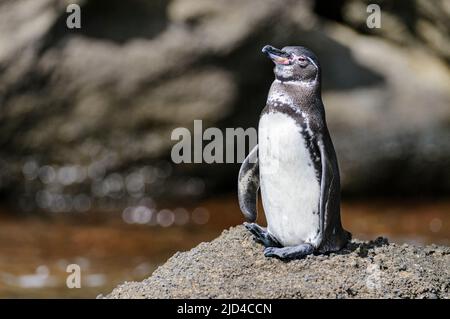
317	68
311	60
301	83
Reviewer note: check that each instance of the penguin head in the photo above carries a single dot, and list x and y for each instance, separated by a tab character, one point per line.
294	64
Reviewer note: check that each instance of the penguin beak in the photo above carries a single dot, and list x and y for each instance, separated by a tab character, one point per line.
276	55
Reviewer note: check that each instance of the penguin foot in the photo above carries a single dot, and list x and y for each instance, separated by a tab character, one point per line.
262	236
289	253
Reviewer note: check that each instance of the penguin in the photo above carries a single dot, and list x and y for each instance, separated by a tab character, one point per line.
294	164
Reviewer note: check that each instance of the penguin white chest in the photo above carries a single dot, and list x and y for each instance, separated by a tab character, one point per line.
290	189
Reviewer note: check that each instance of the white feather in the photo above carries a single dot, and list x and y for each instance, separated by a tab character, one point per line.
289	187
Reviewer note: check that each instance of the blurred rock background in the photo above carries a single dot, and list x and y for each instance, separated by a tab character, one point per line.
86	115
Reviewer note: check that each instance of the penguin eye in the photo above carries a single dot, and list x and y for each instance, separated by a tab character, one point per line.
302	60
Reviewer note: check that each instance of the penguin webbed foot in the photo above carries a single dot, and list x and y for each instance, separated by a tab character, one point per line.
262	236
289	253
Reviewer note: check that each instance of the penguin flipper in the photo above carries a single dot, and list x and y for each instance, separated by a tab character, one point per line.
248	185
324	187
332	236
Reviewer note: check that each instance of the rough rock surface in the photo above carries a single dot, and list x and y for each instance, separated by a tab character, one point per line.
233	266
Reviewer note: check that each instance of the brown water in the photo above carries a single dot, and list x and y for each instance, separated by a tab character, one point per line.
35	251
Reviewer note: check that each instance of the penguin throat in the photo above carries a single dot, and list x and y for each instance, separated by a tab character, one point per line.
296	95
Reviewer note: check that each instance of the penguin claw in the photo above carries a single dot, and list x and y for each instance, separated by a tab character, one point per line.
261	236
289	253
256	231
269	252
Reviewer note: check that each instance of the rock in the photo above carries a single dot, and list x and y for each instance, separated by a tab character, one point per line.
391	121
233	266
406	22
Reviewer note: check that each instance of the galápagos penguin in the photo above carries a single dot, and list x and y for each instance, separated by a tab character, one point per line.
294	164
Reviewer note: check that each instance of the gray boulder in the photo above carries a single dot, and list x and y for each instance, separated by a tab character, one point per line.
233	266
